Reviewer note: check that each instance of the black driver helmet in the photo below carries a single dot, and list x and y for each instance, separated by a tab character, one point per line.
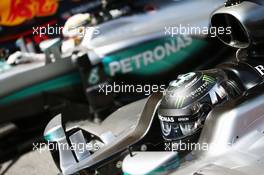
188	100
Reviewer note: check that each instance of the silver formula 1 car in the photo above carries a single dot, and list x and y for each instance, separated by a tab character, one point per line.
220	109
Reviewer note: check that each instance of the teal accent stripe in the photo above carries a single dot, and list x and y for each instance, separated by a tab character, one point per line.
48	137
4	66
169	62
55	135
60	82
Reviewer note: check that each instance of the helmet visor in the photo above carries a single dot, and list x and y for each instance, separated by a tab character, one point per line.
176	128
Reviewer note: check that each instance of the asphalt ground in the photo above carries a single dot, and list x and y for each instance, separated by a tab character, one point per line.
32	163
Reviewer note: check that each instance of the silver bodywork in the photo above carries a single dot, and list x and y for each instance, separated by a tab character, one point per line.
126	126
245	19
128	31
234	134
36	67
115	35
147	162
24	75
